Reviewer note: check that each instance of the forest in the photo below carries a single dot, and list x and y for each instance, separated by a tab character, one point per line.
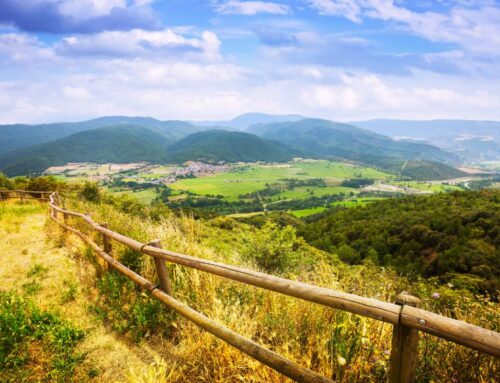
454	236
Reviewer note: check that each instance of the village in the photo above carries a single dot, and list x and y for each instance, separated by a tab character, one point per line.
135	172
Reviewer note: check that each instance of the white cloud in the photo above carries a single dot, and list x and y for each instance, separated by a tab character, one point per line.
138	42
477	30
86	9
346	8
251	8
21	47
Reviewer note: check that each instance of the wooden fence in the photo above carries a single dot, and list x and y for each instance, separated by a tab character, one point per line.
405	315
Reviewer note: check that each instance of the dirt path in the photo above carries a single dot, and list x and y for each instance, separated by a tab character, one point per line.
32	263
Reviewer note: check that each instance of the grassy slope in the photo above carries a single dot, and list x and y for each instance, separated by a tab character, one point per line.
34	266
313	336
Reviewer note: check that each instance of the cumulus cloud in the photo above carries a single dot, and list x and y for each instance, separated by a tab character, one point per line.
78	16
139	43
251	8
474	25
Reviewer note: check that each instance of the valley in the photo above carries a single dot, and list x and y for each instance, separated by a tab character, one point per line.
301	187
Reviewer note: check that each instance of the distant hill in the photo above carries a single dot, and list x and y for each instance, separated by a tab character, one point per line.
474	140
327	139
445	234
246	120
18	136
121	143
221	145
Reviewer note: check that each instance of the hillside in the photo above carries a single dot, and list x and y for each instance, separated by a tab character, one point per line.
432	129
18	136
121	143
472	140
244	121
220	145
327	139
443	235
103	320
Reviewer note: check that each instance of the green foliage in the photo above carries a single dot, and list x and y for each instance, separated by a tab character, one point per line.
23	329
128	311
357	182
5	182
276	249
90	192
438	235
122	143
220	145
326	139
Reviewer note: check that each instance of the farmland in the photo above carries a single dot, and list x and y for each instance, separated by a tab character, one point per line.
302	187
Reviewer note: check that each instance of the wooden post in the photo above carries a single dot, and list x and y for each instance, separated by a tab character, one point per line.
404	346
105	240
22	197
161	270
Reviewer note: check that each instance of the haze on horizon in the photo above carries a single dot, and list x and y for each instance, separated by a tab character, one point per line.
70	60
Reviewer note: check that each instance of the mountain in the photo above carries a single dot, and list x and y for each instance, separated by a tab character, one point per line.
474	140
221	145
120	143
327	139
246	120
18	136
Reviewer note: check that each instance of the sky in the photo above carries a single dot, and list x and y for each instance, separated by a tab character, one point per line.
71	60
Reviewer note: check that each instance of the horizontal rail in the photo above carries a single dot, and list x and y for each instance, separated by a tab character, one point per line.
460	332
457	331
249	347
372	308
26	191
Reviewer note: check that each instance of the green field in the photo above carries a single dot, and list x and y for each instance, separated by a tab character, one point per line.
427	186
248	179
144	195
307	212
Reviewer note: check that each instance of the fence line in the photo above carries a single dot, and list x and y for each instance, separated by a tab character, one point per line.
405	315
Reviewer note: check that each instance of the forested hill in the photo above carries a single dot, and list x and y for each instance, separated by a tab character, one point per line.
441	235
120	143
221	145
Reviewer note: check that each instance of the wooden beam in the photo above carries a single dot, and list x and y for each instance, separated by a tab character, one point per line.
404	350
162	271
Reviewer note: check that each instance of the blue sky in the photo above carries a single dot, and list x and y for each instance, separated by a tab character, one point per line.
192	59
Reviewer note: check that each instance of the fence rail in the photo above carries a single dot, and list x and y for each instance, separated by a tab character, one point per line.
404	315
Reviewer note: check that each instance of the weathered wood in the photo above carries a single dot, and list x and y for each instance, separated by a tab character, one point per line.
460	332
162	271
372	308
105	240
404	350
256	351
457	331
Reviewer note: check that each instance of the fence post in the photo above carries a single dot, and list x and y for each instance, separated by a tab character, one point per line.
22	196
404	346
105	240
161	270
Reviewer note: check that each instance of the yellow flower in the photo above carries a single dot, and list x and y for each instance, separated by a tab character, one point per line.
341	361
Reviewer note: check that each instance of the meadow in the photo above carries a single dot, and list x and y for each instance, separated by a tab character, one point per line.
247	183
251	178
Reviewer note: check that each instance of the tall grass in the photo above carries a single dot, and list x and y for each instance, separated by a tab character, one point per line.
343	346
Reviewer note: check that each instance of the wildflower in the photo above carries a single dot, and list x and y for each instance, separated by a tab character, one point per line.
435	296
341	361
451	285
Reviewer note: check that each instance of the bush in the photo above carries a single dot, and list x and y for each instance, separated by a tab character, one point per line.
90	192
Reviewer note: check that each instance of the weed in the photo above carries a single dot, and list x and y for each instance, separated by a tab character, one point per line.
38	270
28	334
70	291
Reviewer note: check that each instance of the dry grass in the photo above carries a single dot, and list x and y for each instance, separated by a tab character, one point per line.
30	255
346	347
